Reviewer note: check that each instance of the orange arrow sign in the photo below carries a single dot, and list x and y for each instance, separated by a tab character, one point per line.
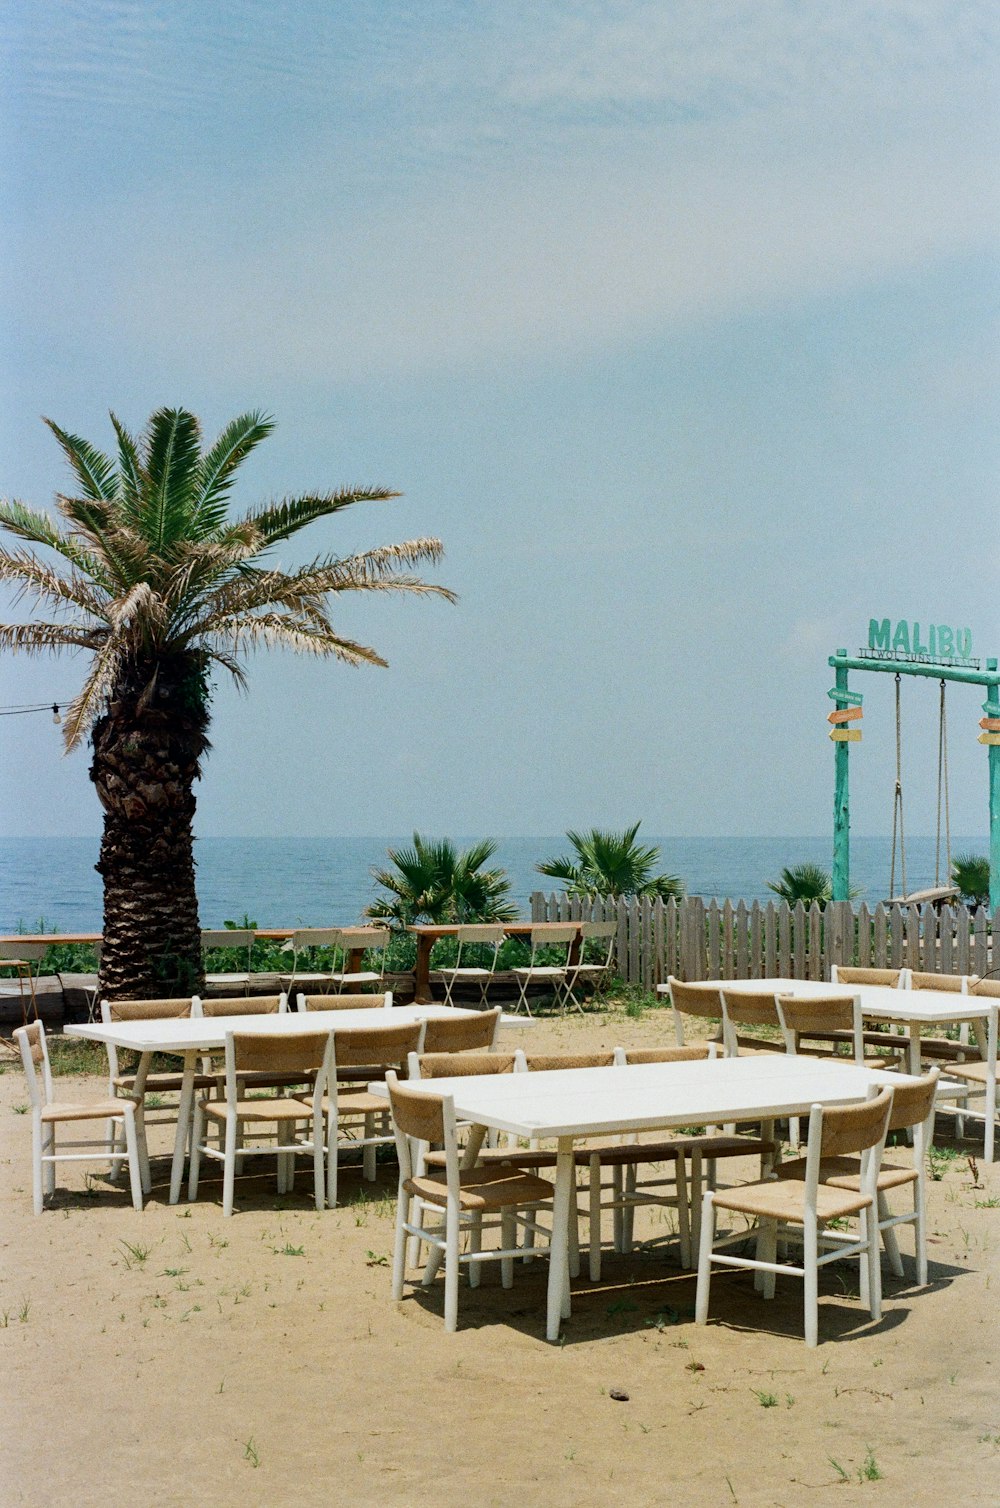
848	714
991	724
853	735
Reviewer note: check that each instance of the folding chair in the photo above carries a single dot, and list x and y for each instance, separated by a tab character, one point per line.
488	940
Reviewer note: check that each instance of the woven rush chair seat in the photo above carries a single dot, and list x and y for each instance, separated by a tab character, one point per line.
262	1108
482	1189
845	1173
66	1110
784	1199
975	1071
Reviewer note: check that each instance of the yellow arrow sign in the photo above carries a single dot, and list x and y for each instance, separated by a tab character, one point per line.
988	738
847	715
853	735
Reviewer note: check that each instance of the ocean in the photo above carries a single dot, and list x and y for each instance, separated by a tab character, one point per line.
313	882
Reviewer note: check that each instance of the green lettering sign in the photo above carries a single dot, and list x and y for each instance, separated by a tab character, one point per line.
904	638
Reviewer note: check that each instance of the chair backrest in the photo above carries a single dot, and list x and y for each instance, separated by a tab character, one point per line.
855	1128
990	987
279	1052
380	1001
447	1065
606	932
144	1010
228	937
546	1062
823	1014
849	974
378	1047
30	952
953	984
756	1008
702	1000
549	934
694	1053
461	1033
481	932
241	1005
913	1100
424	1117
315	937
35	1057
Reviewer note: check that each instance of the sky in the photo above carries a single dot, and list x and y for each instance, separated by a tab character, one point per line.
676	322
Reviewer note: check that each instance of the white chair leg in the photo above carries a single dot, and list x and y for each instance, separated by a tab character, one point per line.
508	1238
873	1264
628	1213
594	1222
769	1253
140	1133
319	1157
574	1230
476	1244
694	1199
49	1147
36	1165
703	1289
134	1158
920	1231
368	1155
332	1150
197	1136
683	1213
810	1280
451	1270
229	1166
399	1247
617	1186
889	1238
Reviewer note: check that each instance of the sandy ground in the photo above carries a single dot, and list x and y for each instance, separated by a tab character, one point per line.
175	1357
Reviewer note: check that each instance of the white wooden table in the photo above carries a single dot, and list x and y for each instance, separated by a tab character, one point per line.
570	1103
191	1037
915	1009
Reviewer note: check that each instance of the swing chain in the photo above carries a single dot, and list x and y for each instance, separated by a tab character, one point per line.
897	805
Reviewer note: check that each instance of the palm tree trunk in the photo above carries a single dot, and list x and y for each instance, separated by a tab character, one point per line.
147	751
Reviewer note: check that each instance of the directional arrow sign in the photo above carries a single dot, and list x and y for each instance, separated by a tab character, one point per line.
984	738
848	714
853	735
838	694
991	724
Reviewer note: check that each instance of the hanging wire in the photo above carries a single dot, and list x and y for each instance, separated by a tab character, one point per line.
942	791
15	711
897	805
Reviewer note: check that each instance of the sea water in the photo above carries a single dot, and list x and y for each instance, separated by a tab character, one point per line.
312	882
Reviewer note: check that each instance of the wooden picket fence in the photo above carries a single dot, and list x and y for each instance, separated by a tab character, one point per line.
694	939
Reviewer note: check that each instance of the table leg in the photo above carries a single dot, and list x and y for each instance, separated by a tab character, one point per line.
139	1090
558	1293
422	971
184	1108
991	1083
915	1048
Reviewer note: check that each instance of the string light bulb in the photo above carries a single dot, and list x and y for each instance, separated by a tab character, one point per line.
55	714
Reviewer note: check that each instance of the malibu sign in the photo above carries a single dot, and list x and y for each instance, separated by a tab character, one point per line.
935	641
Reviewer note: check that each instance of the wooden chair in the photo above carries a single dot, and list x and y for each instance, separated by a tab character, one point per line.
344	1002
811	1204
463	1033
979	1075
305	940
591	973
20	957
835	1022
912	1110
553	975
703	1001
488	940
47	1114
465	1195
701	1151
230	937
350	1111
369	941
305	1056
244	1005
128	1084
944	1049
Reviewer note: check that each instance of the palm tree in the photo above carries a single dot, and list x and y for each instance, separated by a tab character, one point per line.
607	863
434	882
803	882
159	586
971	873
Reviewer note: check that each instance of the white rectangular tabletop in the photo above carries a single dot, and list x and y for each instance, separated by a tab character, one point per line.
183	1034
877	1000
575	1102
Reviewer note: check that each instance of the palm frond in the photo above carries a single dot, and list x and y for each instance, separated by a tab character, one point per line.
42	638
218	467
230	663
31	524
32	575
275	630
172	447
88	704
282	520
94	470
130	472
